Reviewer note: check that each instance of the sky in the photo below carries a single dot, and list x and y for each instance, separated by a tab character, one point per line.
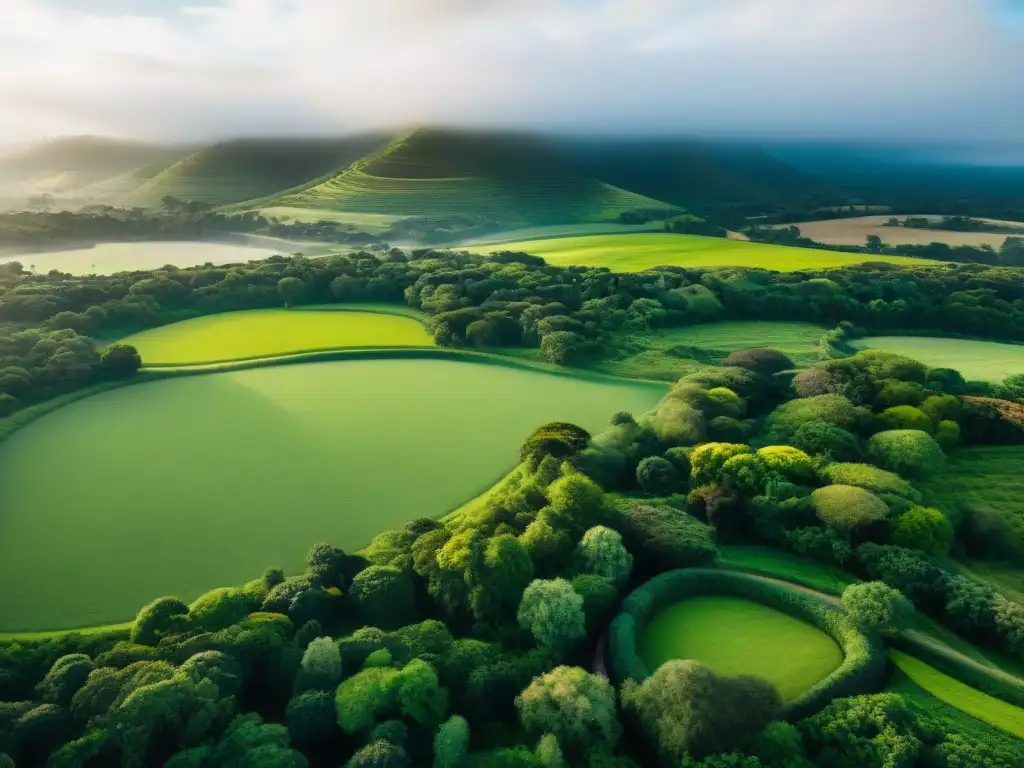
893	70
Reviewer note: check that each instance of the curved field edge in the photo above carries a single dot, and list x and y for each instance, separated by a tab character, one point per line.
864	664
971	701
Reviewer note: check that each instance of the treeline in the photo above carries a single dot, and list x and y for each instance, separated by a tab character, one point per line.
956	224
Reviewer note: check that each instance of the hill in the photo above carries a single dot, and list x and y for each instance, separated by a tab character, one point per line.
701	176
63	164
514	178
244	169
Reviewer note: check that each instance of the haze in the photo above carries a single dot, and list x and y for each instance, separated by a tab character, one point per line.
921	70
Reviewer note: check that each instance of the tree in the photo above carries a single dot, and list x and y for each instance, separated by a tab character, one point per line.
321	666
908	452
384	596
311	719
923	528
553	613
549	753
877	606
578	708
846	507
65	677
506	570
874	244
451	743
574	499
1012	388
220	608
557	438
706	461
379	754
657	476
291	290
602	552
762	360
906	417
685	709
165	615
560	347
120	361
218	667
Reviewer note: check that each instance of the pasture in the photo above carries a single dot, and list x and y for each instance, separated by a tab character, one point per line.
177	486
272	332
986	708
635	253
734	636
854	231
111	258
981	360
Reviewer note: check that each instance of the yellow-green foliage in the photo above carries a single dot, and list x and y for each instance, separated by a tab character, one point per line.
725	402
923	528
870	478
706	461
847	507
906	417
910	452
269	332
788	461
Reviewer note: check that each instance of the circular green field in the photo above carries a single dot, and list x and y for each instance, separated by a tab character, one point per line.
181	485
734	636
269	332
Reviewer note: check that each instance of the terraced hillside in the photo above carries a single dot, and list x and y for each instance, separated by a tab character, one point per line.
244	169
698	175
507	177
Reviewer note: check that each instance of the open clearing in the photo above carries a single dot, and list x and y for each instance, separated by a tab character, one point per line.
635	253
270	332
987	708
110	258
854	231
981	360
734	636
178	486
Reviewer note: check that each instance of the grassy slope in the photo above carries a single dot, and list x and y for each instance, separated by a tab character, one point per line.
244	169
987	708
740	637
434	173
983	360
269	332
632	253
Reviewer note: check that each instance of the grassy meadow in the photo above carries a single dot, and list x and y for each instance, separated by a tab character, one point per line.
981	360
271	332
987	708
734	636
635	253
178	486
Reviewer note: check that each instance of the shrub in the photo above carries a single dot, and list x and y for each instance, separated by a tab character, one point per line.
219	668
723	429
600	599
553	613
908	452
379	754
602	552
679	423
706	461
557	438
578	708
221	608
871	478
948	435
792	463
451	743
834	410
818	438
942	408
905	417
847	507
877	606
747	473
725	402
680	458
911	572
66	676
321	666
661	537
163	616
923	528
384	596
657	476
574	499
762	360
311	719
380	658
899	393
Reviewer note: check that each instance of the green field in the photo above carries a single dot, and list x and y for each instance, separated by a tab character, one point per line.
734	636
367	222
181	485
111	258
635	253
981	360
778	563
271	332
987	483
980	705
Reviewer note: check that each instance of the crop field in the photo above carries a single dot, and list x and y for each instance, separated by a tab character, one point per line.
635	253
854	231
111	258
982	360
367	222
986	482
734	636
987	708
270	332
177	486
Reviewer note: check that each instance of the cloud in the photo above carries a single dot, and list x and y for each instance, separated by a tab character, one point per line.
942	69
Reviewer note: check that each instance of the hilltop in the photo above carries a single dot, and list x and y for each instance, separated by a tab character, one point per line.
509	177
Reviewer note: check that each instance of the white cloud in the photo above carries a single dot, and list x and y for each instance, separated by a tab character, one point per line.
916	68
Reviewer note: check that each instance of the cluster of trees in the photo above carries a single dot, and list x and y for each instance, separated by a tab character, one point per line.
469	642
956	224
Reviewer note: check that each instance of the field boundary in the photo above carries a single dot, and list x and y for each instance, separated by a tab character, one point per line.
864	659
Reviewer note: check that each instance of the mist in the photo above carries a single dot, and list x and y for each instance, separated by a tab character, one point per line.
923	71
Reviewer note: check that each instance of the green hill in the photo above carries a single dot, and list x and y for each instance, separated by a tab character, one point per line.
244	169
700	176
509	177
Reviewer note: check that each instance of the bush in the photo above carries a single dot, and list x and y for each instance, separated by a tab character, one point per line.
834	410
870	478
911	572
65	677
948	435
723	429
762	360
899	393
661	537
680	458
553	613
706	461
923	528
908	452
602	552
558	439
725	402
787	461
877	606
384	596
657	476
163	616
311	719
220	608
818	438
321	666
451	743
574	705
905	417
846	507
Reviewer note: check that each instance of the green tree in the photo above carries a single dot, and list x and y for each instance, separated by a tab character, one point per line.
506	570
120	361
291	290
908	452
549	753
320	669
1012	388
66	676
384	596
561	347
379	754
553	613
602	552
163	616
451	743
878	606
923	528
657	476
311	719
575	499
574	705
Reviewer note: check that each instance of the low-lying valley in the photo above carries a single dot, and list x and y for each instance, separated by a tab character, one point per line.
482	449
